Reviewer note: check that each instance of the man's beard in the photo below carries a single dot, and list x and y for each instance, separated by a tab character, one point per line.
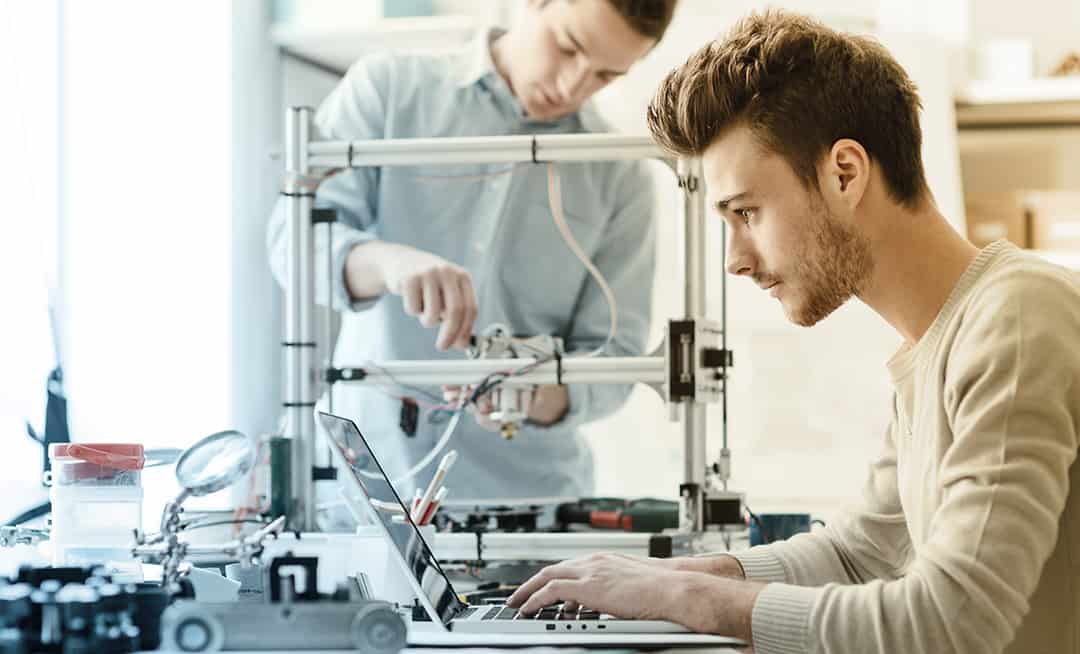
831	269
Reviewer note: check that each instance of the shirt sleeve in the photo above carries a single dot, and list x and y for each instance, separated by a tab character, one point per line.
1012	396
627	260
355	109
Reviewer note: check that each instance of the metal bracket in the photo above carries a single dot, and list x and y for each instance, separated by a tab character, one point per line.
334	375
323	215
696	363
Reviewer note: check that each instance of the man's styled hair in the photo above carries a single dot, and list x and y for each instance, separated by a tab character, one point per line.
800	87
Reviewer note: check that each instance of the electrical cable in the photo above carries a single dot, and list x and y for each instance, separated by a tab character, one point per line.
555	202
428	458
489	382
33	513
558	217
416	389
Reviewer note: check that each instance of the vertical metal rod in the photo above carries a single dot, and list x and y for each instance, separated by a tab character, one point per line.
328	315
328	332
299	344
693	412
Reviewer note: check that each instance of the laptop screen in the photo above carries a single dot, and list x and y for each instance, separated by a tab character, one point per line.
374	484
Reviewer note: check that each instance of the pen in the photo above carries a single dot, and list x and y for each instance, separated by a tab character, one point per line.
436	482
415	502
430	514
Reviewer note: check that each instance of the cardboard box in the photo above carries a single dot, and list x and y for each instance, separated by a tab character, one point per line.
1055	219
993	216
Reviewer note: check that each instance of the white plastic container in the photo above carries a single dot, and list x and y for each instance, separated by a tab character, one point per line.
96	493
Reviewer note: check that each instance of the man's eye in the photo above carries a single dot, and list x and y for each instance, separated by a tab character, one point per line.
746	214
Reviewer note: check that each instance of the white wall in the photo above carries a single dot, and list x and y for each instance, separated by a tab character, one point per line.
1053	26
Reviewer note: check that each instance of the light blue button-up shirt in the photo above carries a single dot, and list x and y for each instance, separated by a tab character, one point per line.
494	220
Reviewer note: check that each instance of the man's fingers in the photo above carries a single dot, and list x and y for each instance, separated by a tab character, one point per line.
538	581
526	590
451	394
460	393
553	592
433	305
471	309
484	404
412	295
571	607
453	314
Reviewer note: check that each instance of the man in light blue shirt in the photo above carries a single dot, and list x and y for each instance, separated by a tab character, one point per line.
425	256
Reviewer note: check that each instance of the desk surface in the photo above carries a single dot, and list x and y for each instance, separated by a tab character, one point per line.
492	650
575	650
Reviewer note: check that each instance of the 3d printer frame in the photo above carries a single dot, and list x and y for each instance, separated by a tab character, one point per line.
689	371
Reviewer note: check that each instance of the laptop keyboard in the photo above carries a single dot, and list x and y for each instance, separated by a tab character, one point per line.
555	612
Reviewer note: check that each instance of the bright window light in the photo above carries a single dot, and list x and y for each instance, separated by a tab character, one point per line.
147	218
28	176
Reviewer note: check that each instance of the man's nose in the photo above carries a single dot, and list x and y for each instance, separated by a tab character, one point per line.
575	79
739	260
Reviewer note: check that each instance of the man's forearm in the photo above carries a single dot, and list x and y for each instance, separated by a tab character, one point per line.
721	565
363	271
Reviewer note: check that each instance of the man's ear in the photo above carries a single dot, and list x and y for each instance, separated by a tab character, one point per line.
846	172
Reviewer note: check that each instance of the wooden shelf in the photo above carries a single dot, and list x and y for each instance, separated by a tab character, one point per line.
1051	101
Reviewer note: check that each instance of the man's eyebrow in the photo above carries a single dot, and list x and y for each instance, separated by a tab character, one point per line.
577	44
722	203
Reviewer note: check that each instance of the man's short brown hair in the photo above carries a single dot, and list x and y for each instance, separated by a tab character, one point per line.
800	87
648	18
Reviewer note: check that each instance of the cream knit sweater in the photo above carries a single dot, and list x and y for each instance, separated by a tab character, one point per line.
967	537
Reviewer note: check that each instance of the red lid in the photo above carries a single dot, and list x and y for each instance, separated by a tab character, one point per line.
125	456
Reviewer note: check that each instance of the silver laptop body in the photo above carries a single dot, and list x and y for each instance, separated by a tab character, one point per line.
364	479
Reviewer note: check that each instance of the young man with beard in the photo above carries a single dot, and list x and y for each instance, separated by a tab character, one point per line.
426	256
967	534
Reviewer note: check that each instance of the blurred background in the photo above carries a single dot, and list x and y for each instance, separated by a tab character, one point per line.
137	144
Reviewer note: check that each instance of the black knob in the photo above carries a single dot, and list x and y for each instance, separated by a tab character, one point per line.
12	642
50	586
14	603
78	606
151	600
113	599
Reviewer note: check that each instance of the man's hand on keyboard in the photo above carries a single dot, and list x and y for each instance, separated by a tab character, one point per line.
608	583
641	589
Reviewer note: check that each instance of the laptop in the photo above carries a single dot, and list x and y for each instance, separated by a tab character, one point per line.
364	480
